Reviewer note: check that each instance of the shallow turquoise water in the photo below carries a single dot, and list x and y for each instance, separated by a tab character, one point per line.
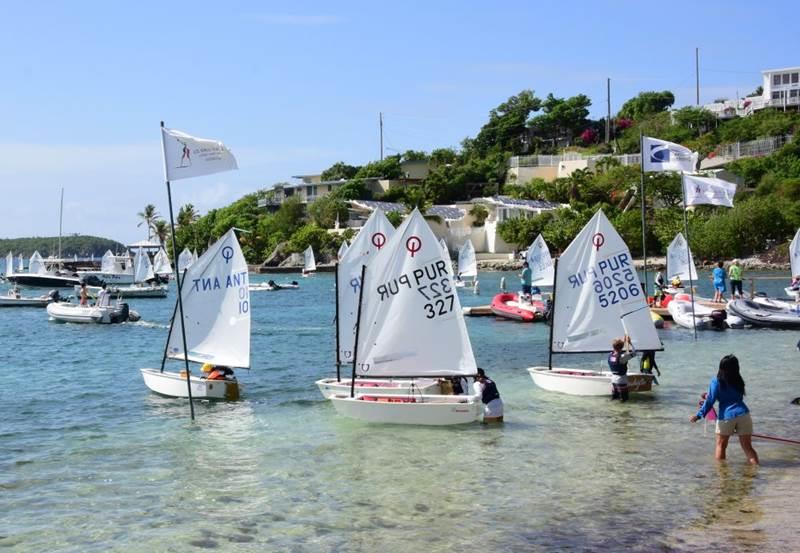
90	460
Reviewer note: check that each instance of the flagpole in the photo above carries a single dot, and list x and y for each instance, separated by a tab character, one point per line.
644	224
178	280
688	253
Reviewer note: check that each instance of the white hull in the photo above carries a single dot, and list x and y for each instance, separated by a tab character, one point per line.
109	278
581	382
10	301
72	313
430	410
133	291
681	312
792	293
265	287
172	384
329	387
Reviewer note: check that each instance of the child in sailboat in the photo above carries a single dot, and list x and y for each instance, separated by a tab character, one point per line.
618	365
218	372
487	389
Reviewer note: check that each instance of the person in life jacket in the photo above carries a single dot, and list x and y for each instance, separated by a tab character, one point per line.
217	372
658	288
618	365
490	397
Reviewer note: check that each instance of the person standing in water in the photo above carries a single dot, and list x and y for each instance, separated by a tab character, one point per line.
719	283
525	279
618	365
490	397
727	388
735	276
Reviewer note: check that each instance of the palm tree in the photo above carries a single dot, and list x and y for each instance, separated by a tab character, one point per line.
187	215
161	230
148	217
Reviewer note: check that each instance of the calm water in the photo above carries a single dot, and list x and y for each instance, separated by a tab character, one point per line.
90	460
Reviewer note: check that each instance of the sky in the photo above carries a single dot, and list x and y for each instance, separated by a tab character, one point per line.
293	87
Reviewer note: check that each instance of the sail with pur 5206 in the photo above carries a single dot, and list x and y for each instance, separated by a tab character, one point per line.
411	320
794	254
467	262
680	262
540	263
371	238
216	308
598	294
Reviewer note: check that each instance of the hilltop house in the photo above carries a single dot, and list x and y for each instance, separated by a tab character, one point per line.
780	88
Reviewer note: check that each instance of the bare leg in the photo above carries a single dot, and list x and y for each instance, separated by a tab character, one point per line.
722	445
746	441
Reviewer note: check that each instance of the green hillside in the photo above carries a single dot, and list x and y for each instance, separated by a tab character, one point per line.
82	246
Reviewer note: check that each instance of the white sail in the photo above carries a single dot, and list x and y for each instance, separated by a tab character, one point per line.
194	255
373	236
467	262
540	263
9	264
446	254
107	263
36	265
161	264
184	260
216	308
794	254
309	263
411	320
678	262
20	263
143	267
598	294
342	250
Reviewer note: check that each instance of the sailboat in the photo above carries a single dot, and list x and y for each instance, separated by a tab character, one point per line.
216	317
13	298
143	285
540	262
410	325
20	263
309	263
597	298
372	237
342	250
794	259
680	264
467	266
41	275
161	265
185	260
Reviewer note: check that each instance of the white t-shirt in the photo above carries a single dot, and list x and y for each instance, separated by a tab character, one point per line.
103	298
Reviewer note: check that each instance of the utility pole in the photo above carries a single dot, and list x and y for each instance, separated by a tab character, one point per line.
697	72
608	116
380	122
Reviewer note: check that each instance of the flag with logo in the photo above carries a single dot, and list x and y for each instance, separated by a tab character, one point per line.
186	156
660	155
708	190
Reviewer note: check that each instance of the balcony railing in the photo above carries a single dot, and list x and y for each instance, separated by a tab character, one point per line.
556	160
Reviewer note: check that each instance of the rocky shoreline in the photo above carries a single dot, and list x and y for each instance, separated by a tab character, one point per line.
747	264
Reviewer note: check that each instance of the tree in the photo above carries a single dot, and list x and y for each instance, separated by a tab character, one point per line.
505	131
414	155
161	230
187	215
479	213
148	215
697	119
339	170
645	104
562	118
325	211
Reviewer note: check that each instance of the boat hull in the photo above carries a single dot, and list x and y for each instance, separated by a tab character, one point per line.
157	291
581	382
419	410
173	384
329	387
23	302
108	278
762	314
85	314
508	306
44	281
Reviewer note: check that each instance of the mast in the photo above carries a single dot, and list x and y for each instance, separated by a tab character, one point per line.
552	317
644	222
178	283
336	318
688	255
697	73
380	123
608	115
358	329
60	220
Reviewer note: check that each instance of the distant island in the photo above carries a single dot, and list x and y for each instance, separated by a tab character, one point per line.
80	245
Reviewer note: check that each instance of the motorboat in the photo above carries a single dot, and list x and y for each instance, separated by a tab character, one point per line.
132	291
701	317
508	306
760	313
418	332
588	313
91	314
13	298
272	286
217	326
42	274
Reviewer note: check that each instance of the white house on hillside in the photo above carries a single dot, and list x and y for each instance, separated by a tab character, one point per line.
780	89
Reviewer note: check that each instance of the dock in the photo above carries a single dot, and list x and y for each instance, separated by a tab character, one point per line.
478	311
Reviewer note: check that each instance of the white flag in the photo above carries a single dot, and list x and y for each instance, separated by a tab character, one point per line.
708	190
660	155
186	156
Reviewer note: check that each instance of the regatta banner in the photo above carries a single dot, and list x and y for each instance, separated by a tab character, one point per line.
708	190
660	155
186	156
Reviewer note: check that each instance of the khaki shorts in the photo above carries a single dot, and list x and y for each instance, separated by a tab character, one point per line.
742	425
